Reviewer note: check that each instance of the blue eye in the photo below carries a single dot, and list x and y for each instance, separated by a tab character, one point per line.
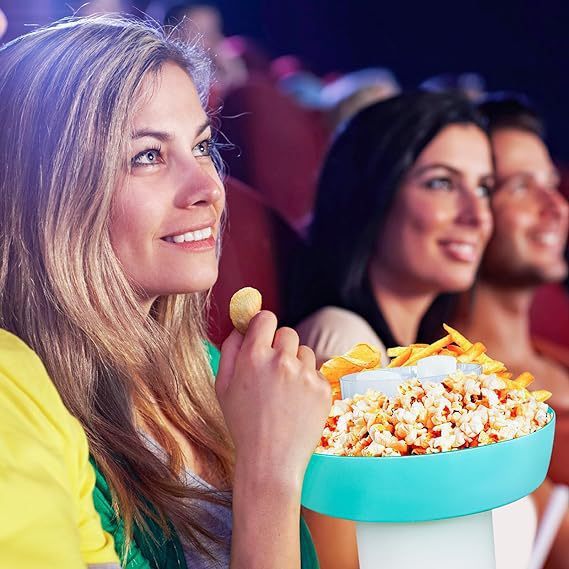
203	148
520	186
439	184
147	157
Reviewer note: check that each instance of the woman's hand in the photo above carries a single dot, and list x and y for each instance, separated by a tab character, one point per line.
275	404
274	401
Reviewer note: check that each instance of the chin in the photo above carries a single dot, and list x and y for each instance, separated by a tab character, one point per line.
194	283
554	274
456	283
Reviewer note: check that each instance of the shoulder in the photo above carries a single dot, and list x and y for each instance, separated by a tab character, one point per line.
17	358
44	453
27	394
331	331
552	351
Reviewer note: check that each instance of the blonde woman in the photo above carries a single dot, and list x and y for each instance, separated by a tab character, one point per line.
110	213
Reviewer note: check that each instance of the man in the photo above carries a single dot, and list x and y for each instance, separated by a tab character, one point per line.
531	220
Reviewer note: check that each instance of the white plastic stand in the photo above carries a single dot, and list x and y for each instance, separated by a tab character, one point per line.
428	545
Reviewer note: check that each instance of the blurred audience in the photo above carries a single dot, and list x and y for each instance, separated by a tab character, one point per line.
471	85
103	7
3	23
294	80
350	93
531	220
339	99
202	21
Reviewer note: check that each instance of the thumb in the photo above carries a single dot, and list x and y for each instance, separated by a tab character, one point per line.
229	352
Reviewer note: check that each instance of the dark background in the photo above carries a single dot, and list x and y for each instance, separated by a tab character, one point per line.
515	45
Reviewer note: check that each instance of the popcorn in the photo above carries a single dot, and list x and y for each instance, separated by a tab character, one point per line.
463	411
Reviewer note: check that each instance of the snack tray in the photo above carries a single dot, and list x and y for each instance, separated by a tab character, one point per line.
428	487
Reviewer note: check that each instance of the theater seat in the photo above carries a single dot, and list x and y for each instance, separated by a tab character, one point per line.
256	247
281	146
549	316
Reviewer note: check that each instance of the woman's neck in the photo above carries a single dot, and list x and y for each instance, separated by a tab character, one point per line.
402	308
500	318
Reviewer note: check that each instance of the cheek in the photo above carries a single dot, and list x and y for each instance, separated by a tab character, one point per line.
411	232
511	223
423	219
131	225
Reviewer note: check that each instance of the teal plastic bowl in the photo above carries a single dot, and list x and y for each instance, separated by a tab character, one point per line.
428	487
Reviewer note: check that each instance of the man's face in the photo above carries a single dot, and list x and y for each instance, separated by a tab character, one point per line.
530	215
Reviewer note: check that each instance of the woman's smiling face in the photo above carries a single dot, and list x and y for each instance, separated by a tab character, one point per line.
440	221
166	216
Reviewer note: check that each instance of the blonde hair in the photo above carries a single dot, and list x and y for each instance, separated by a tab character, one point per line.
68	93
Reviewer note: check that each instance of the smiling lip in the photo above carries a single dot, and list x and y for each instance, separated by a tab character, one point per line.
183	231
461	251
201	238
193	246
551	239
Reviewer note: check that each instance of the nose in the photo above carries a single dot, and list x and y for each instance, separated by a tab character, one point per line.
553	204
199	185
473	210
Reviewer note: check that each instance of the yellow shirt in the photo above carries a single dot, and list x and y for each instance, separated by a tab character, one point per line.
47	516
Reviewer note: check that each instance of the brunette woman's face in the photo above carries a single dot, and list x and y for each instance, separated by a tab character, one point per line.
167	214
440	221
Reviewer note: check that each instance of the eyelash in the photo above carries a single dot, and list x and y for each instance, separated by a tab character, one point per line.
431	185
210	144
134	162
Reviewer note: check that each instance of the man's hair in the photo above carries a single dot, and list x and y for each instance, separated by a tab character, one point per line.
511	110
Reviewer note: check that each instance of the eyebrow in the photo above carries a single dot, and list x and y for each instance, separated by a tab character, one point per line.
427	167
553	173
554	176
164	136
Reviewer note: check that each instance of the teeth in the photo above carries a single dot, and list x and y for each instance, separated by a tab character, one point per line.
198	235
547	238
464	251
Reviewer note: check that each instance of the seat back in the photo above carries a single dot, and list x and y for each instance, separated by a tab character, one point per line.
256	247
281	147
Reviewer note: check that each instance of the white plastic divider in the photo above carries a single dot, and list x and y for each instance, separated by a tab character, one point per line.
383	380
436	366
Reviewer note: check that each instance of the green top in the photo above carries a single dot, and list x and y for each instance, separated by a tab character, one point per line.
157	552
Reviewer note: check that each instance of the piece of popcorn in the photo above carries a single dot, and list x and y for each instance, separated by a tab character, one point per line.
492	382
